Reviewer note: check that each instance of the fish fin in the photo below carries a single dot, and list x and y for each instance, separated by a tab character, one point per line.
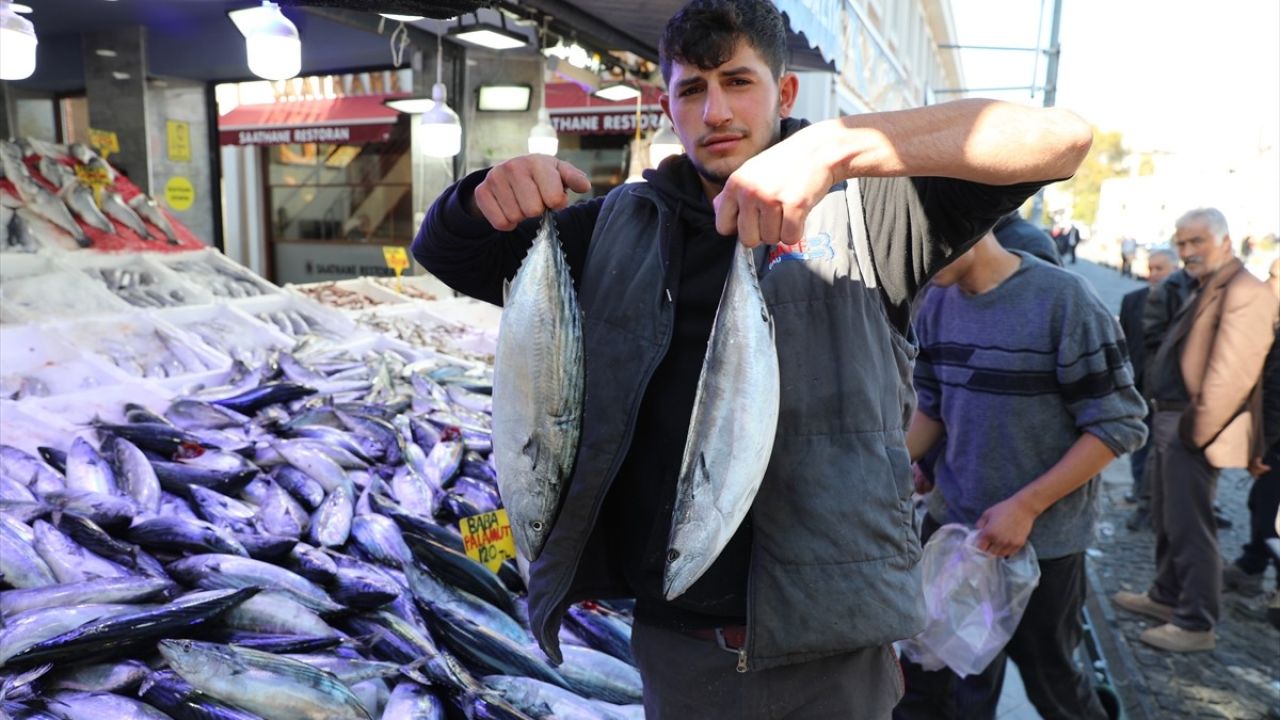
531	450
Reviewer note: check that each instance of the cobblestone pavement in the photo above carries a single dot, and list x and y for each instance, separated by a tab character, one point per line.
1240	679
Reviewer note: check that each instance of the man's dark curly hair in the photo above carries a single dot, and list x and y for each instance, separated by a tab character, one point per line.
705	33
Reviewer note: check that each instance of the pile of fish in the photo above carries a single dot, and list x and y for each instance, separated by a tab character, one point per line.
146	351
220	280
284	546
422	330
141	287
48	200
406	289
297	323
335	295
237	341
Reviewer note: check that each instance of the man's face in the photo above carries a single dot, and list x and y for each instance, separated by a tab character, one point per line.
1200	254
1159	267
727	115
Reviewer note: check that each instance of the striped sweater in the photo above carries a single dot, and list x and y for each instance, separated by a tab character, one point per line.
1016	375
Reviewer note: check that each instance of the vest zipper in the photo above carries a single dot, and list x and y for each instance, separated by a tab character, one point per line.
742	659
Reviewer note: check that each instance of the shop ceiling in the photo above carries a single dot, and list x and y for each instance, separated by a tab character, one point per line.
194	38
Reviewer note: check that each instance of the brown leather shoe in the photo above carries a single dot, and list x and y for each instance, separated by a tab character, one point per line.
1142	604
1174	639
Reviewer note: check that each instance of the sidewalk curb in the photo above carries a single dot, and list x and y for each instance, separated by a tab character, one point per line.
1127	680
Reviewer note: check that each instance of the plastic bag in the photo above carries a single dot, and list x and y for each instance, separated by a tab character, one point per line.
973	600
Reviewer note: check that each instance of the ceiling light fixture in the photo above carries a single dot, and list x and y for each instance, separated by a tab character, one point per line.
488	35
401	18
20	8
618	92
410	105
442	133
542	137
17	44
271	41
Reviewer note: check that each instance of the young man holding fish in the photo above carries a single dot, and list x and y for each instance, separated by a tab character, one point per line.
847	220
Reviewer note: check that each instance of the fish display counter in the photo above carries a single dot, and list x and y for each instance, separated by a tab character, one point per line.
224	499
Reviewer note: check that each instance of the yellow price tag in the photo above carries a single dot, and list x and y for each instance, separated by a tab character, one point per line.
104	141
95	179
487	538
398	260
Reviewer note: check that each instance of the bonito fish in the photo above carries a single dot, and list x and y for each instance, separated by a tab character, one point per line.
735	417
269	685
80	199
537	390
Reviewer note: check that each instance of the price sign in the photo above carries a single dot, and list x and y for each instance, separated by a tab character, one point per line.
487	538
104	141
398	260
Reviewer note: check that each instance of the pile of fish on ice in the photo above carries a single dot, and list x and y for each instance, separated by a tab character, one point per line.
284	547
43	207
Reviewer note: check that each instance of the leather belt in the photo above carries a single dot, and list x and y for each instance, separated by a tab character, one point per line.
732	638
1169	405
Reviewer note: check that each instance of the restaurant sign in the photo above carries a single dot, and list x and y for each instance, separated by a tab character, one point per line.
344	134
604	123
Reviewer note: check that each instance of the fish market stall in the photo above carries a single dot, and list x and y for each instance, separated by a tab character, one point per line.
221	498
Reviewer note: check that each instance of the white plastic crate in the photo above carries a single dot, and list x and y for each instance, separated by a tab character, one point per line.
20	265
221	276
57	295
229	330
352	296
79	410
152	284
34	362
27	428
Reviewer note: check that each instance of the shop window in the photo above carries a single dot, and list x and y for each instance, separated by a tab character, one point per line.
341	193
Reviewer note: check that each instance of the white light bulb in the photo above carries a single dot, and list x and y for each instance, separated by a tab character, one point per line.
17	45
542	138
441	131
272	45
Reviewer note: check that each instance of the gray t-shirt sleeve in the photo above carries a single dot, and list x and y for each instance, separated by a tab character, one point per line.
918	225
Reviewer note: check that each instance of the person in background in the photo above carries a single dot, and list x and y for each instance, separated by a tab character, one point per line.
1024	370
1206	397
1160	264
1244	575
847	218
1128	251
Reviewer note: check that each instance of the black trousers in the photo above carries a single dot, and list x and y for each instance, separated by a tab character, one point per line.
1188	562
1043	647
1264	503
686	678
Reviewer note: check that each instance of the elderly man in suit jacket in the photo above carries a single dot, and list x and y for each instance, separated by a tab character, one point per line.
1207	397
1160	264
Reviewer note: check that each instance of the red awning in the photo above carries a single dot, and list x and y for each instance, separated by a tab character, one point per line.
575	111
354	119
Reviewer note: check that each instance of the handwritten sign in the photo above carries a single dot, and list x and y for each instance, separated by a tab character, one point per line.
487	538
398	260
95	178
179	193
179	135
104	141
